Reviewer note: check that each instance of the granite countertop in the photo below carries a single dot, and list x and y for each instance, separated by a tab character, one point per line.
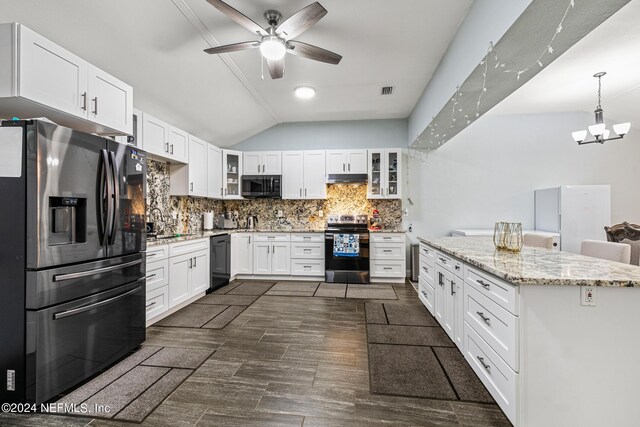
220	232
389	230
537	266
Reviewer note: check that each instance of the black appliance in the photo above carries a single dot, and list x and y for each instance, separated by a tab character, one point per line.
342	269
72	288
261	186
220	259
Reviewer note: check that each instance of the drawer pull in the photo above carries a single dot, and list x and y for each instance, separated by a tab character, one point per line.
483	284
151	305
457	267
150	276
388	268
453	288
154	254
484	365
425	269
425	294
307	250
387	250
386	238
484	318
307	267
306	238
444	261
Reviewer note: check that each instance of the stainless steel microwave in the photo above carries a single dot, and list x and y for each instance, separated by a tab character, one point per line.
261	186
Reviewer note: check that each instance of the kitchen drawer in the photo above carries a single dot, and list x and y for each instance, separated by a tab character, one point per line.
307	250
494	324
307	237
427	294
428	254
188	246
272	237
496	375
387	251
157	302
307	267
427	272
453	265
156	253
157	274
387	237
502	293
381	268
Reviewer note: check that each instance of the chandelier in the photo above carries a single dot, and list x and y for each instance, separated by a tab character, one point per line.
599	130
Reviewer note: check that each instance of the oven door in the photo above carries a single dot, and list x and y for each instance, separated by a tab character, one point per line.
337	264
70	342
253	186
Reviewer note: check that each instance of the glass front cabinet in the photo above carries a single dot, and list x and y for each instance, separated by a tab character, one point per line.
231	174
385	174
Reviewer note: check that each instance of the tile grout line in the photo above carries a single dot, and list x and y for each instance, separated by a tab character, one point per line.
446	374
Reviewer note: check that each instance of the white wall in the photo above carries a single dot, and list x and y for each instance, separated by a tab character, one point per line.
487	21
489	171
329	135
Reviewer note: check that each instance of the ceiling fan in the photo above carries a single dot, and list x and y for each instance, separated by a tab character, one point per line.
276	39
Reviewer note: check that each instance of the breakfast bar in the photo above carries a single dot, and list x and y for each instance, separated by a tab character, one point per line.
549	333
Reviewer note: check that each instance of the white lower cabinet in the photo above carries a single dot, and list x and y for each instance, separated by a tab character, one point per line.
272	254
479	313
387	253
157	281
307	254
157	301
179	278
241	254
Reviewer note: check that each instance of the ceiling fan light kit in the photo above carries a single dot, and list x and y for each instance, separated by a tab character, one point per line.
599	130
277	40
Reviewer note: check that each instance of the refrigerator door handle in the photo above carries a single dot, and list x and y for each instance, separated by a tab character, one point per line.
79	274
82	309
107	221
115	195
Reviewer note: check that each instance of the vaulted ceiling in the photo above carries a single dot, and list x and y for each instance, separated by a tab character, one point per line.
157	47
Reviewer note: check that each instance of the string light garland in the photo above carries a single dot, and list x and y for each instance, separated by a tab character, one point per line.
435	136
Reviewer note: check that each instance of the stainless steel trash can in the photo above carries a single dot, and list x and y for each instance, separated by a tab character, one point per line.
415	262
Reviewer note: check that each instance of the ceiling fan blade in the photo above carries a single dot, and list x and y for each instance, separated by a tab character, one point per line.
232	47
301	21
276	68
239	17
313	52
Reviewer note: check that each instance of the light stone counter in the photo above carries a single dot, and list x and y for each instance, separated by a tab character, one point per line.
536	266
210	233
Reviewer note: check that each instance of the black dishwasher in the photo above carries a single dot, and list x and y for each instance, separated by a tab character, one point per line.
220	258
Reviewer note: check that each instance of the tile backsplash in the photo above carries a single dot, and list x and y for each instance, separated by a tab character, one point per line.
188	211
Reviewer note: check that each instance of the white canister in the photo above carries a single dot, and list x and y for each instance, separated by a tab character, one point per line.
208	221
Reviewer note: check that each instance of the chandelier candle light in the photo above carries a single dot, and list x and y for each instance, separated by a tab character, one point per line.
599	130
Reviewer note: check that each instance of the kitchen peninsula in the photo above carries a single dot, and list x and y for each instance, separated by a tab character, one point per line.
547	332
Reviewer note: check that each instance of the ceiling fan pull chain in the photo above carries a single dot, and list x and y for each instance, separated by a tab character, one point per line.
262	66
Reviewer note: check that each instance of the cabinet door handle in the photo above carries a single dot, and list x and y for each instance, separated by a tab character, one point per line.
152	304
425	269
262	168
453	288
457	267
190	262
269	249
440	279
191	186
274	249
484	318
171	148
84	101
483	284
484	365
344	168
95	101
258	168
301	192
305	192
195	261
349	167
444	261
221	191
249	240
166	147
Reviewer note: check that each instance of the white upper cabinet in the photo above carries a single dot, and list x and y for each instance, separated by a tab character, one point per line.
315	186
191	179
385	174
107	97
214	172
44	79
292	174
346	162
178	145
231	174
164	141
262	163
303	175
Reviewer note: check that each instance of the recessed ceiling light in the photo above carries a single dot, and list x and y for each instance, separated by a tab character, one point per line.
305	92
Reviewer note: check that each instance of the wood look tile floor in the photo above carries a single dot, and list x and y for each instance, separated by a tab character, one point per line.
288	361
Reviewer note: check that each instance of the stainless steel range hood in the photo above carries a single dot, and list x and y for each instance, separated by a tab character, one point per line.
347	178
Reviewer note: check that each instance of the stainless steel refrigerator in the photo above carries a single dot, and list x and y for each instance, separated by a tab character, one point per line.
72	236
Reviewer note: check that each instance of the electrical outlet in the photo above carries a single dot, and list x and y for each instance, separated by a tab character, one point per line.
410	228
321	213
588	296
280	213
174	215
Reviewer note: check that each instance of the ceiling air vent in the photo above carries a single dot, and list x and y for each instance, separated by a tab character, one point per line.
386	90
